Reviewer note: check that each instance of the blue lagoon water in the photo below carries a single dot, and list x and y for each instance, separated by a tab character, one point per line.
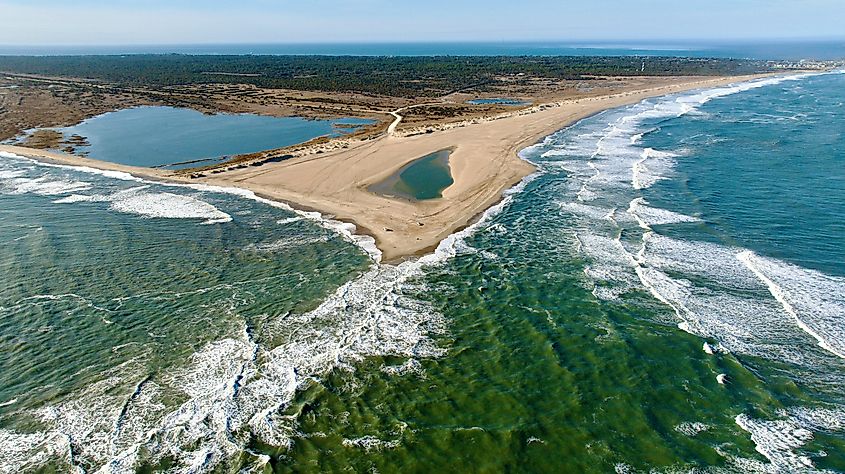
156	136
666	293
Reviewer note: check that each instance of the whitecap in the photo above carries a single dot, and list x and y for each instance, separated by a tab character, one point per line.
142	201
289	220
777	441
648	216
346	230
287	243
167	206
8	402
370	443
815	300
236	388
691	429
44	186
646	171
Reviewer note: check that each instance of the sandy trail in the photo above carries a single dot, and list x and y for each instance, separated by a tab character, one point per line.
484	164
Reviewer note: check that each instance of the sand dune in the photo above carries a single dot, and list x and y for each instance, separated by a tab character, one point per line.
484	164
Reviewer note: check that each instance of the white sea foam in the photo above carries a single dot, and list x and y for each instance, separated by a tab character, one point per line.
593	212
166	206
777	441
615	158
410	366
828	419
691	428
738	314
26	452
650	216
43	185
287	243
610	267
74	198
236	388
143	201
741	319
747	304
346	230
815	300
455	244
370	443
289	220
8	174
85	169
647	170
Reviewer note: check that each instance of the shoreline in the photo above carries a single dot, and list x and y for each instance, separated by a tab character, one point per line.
485	163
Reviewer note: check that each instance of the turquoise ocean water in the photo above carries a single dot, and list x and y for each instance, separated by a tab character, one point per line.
666	293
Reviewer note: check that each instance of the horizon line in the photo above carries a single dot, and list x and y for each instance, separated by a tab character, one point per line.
577	42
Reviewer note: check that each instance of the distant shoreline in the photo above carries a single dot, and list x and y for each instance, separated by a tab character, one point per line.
484	163
760	49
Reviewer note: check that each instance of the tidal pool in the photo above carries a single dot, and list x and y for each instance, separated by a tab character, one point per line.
422	179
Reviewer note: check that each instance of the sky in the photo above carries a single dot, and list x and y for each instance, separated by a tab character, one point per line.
126	22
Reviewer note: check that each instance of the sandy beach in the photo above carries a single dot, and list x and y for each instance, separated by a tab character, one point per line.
484	164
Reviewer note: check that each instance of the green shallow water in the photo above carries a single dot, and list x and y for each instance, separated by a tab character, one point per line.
565	332
561	360
422	179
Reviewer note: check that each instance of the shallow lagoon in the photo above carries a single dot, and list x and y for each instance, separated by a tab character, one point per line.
160	136
419	180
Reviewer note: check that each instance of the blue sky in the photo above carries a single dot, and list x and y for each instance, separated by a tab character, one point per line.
309	21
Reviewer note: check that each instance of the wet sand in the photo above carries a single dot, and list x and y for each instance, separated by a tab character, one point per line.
484	164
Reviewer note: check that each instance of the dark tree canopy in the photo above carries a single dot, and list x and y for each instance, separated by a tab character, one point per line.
394	76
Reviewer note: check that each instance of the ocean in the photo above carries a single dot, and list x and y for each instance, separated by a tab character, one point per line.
666	293
784	49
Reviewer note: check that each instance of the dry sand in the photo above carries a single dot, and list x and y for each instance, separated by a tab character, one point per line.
484	164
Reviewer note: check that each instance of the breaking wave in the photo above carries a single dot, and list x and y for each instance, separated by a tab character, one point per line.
740	302
237	390
144	202
170	204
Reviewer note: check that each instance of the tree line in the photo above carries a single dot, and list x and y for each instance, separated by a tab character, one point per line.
385	75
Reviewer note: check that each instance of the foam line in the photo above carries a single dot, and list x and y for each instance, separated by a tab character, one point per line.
236	388
776	440
752	261
346	230
648	216
639	178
